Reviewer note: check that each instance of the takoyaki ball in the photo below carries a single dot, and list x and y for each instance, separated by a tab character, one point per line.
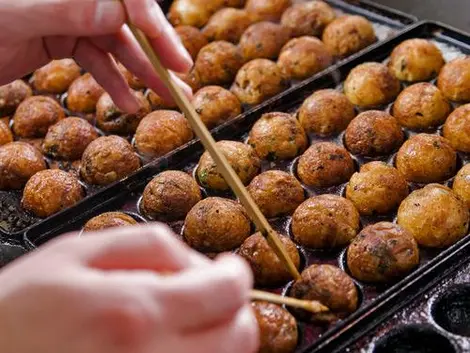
370	85
57	76
35	142
193	12
416	60
278	136
50	191
325	221
162	131
217	63
377	189
35	115
382	252
83	95
373	133
6	136
435	216
263	40
421	106
216	225
276	193
348	34
308	18
267	268
457	128
158	103
68	139
325	164
257	81
227	24
170	196
326	112
192	38
303	57
426	158
462	184
19	161
330	286
112	120
278	330
242	157
12	94
454	80
108	159
191	79
216	105
109	220
267	10
133	81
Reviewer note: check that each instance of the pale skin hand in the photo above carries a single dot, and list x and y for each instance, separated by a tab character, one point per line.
105	293
33	32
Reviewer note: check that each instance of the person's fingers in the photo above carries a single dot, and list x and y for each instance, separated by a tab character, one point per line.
106	72
205	296
148	16
239	335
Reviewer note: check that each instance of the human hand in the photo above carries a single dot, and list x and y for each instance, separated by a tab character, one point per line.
104	293
33	32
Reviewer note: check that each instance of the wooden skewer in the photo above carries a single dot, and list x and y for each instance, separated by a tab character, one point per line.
312	306
210	145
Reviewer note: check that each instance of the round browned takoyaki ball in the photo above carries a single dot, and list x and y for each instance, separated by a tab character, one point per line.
227	24
19	161
454	80
382	252
216	225
192	38
267	268
377	189
112	120
11	95
217	63
162	131
6	136
263	40
216	105
330	286
421	106
457	128
326	112
348	34
83	94
276	193
370	85
416	60
69	138
242	157
191	79
325	164
435	216
109	220
308	18
325	221
133	81
50	191
278	136
35	115
170	196
303	57
278	330
462	184
57	76
427	158
158	103
373	133
257	81
108	159
267	10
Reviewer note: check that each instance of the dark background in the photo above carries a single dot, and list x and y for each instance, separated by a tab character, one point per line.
452	12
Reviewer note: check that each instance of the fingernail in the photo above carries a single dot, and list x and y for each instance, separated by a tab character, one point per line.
109	15
174	37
